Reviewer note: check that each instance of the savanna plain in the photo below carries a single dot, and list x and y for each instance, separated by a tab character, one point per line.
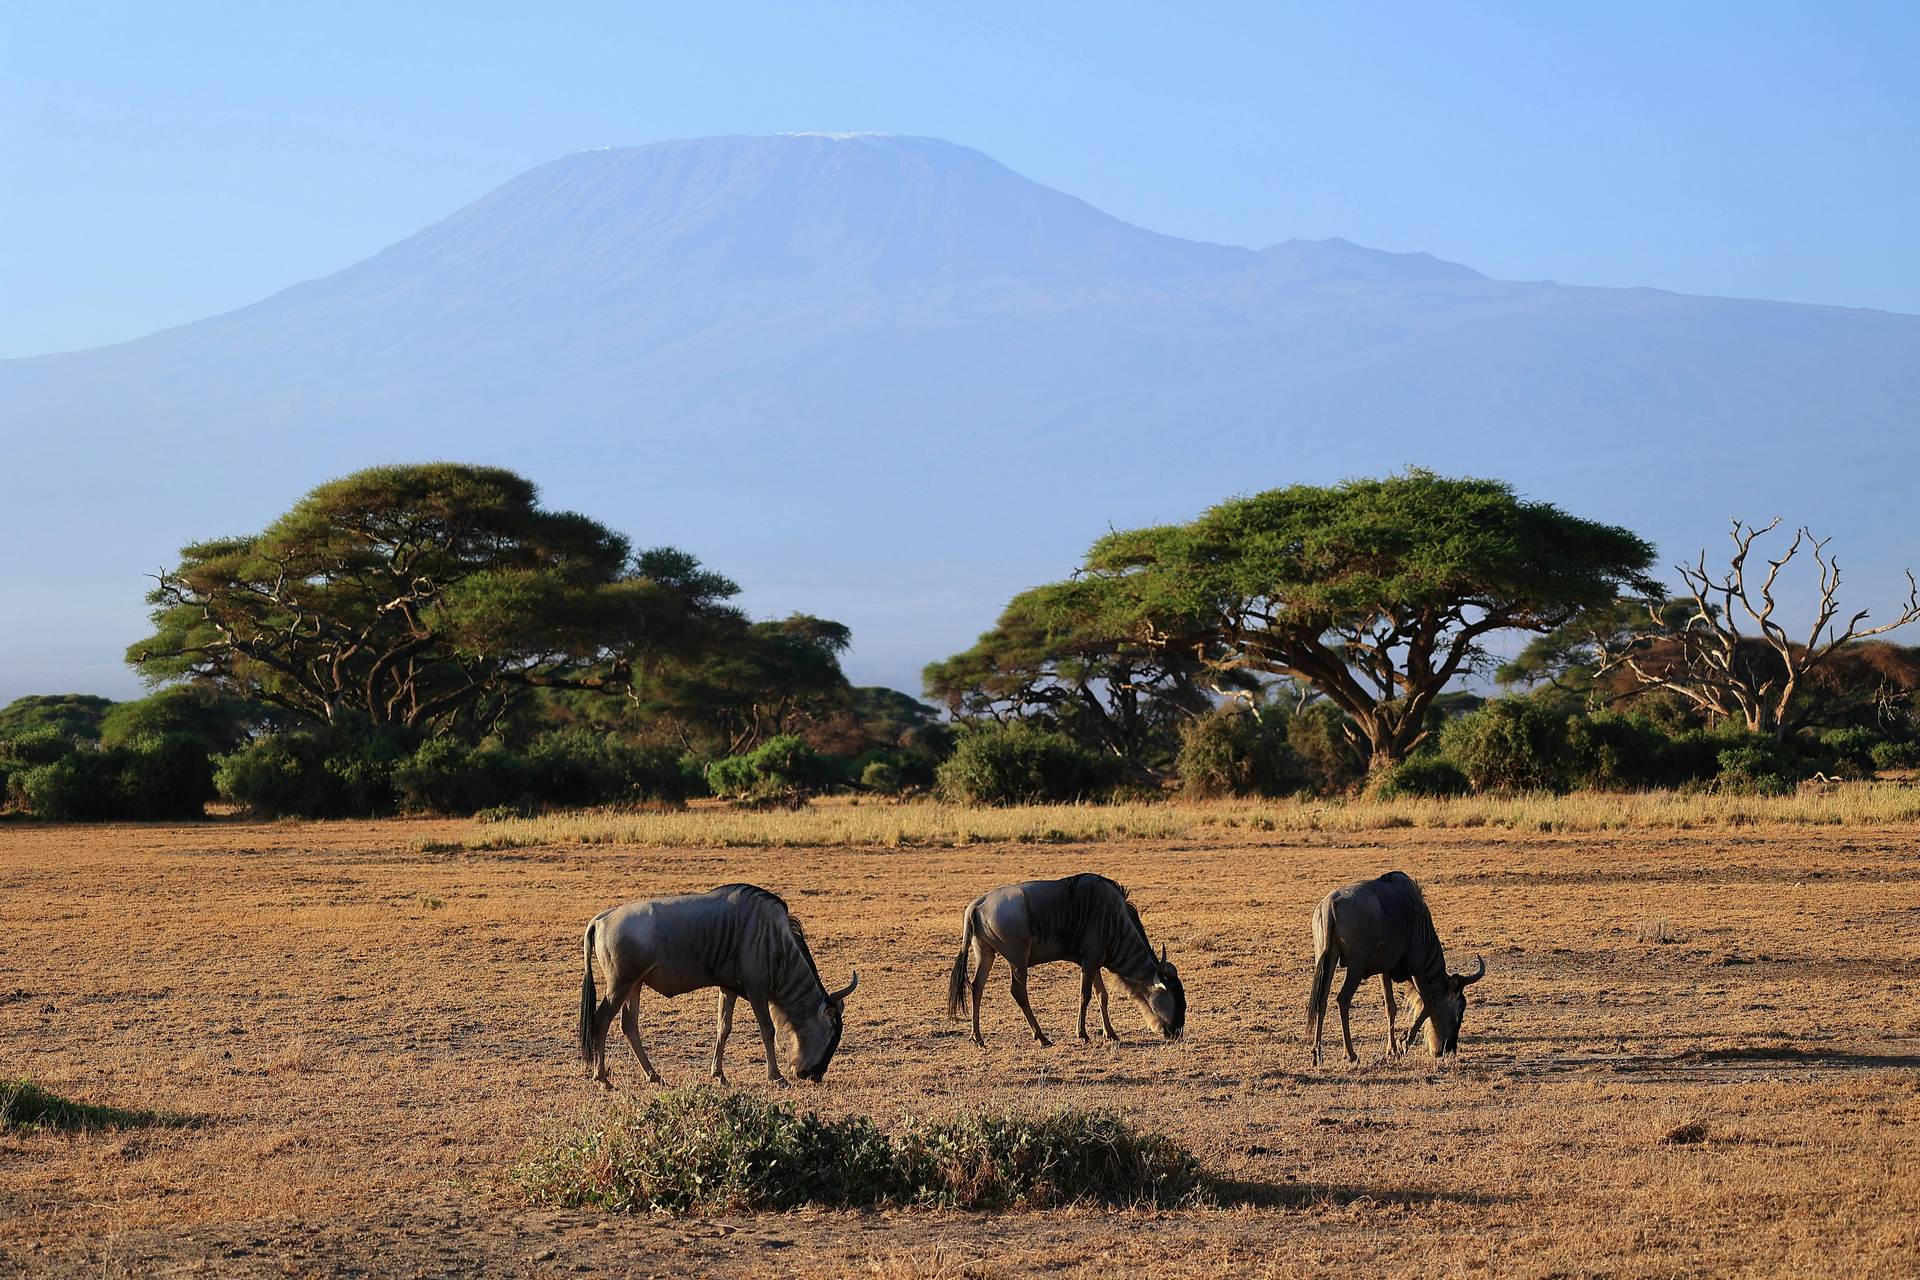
1697	1051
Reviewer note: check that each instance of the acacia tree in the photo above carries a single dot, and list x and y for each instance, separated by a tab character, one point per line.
1377	593
1055	655
425	597
1705	656
765	680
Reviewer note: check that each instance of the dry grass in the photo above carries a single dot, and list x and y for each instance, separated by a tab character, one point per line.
930	824
1740	1097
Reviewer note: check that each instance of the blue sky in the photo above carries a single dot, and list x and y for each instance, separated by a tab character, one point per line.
161	163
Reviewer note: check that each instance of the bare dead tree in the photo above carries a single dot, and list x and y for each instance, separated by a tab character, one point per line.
1709	660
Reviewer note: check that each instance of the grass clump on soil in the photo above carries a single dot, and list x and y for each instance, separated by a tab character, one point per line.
691	1150
25	1105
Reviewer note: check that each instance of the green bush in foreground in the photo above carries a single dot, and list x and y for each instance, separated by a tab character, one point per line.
699	1150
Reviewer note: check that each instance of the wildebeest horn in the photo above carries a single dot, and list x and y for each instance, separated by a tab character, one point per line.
847	990
1467	979
1163	953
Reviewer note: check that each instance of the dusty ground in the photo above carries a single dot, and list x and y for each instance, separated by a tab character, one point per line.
371	1034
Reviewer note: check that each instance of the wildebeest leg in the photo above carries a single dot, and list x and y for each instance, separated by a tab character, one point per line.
980	989
630	1027
762	1016
722	1030
1393	1039
1100	984
1347	988
603	1015
1019	986
1086	998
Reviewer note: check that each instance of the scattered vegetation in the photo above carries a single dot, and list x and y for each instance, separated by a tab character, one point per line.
693	1150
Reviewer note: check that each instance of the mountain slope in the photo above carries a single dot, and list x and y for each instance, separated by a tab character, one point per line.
891	380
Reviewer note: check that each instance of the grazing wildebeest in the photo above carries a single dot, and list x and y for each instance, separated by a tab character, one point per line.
1086	919
1383	927
738	938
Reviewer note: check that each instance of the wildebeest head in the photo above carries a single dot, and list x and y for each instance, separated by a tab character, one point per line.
1443	1023
818	1037
1162	999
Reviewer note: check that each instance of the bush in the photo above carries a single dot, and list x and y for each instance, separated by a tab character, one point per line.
574	767
1848	753
1896	755
1692	755
159	779
445	776
216	720
72	715
1230	751
880	776
1510	744
1018	764
785	765
1757	766
343	772
1320	736
698	1150
1420	777
284	776
1608	751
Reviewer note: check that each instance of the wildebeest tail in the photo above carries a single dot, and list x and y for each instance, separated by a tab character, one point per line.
957	982
1323	966
587	999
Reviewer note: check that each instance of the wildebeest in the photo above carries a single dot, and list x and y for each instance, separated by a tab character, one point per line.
739	938
1086	919
1383	927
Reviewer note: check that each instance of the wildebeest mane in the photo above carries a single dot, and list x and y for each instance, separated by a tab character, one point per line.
793	921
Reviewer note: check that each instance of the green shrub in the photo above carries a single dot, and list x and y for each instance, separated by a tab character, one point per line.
217	721
996	1160
1608	751
1327	748
881	776
1692	755
72	715
1848	753
284	776
785	765
160	778
1896	755
698	1150
37	746
445	776
1757	765
344	772
1419	777
1230	751
1510	744
1019	764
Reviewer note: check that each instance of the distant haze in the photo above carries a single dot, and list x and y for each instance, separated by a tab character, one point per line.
890	381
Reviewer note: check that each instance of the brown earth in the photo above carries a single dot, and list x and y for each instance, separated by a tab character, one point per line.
1695	1053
